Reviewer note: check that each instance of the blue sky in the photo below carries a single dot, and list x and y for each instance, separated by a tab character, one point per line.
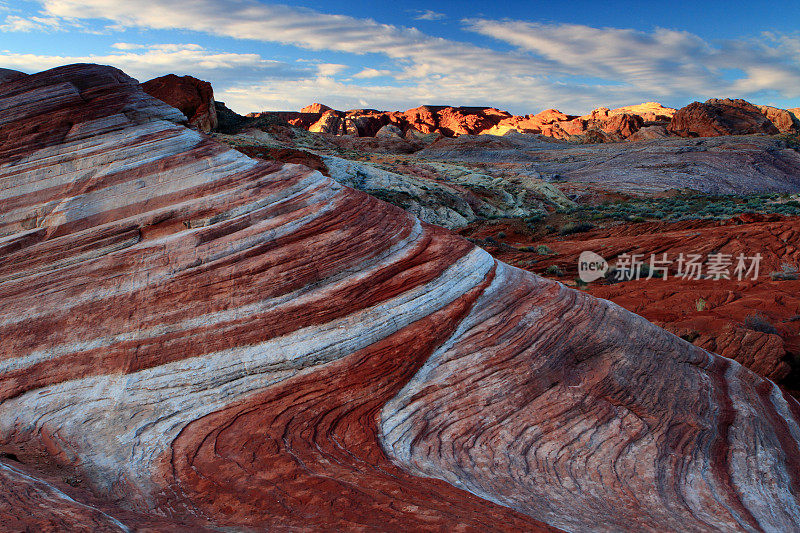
519	56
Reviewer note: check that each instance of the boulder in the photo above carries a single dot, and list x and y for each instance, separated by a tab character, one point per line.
194	98
389	130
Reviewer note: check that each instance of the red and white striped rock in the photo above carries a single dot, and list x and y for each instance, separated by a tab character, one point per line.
214	341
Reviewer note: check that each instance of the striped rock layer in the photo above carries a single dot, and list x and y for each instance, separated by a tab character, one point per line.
192	339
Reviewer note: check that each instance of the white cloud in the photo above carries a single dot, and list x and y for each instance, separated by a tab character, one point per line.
330	69
372	73
161	47
158	60
661	62
572	67
430	15
14	23
128	46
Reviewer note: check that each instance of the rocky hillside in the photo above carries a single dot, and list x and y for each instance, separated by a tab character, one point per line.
193	339
637	122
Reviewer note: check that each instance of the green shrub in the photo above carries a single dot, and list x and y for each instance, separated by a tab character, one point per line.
757	322
579	227
700	304
543	249
554	270
787	273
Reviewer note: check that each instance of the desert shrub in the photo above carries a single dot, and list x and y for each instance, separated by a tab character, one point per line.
758	322
501	235
533	219
543	249
554	270
579	227
700	304
786	273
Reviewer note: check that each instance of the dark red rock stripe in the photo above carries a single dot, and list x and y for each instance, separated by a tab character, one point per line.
306	451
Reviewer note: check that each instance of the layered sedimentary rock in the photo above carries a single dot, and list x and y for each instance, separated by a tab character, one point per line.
195	98
218	342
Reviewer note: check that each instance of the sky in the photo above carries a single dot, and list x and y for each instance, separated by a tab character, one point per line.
523	57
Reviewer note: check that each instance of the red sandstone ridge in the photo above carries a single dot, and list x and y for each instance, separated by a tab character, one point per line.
715	117
603	124
720	117
194	98
213	341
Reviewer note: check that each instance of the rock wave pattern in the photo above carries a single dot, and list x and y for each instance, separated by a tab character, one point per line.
205	340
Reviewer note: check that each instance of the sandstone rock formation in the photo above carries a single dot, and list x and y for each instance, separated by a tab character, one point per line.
602	125
649	111
720	117
786	121
195	98
329	122
221	342
315	108
715	117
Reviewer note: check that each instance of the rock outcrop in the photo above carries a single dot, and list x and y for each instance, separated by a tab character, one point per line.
715	117
720	117
194	98
315	108
221	342
785	120
649	111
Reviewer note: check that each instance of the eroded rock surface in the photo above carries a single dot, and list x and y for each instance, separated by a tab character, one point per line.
225	342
